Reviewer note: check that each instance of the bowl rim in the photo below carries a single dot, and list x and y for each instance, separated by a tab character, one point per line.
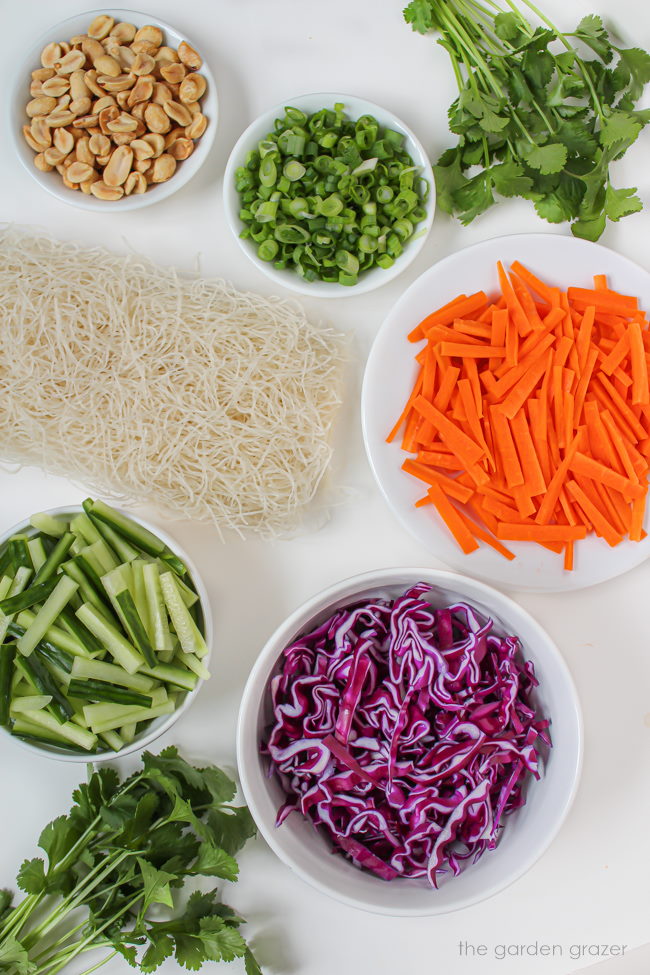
208	624
290	279
136	201
251	701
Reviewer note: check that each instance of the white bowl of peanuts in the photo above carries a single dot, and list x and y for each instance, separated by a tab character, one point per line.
114	110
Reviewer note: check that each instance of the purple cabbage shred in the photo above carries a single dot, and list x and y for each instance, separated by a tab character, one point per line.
406	733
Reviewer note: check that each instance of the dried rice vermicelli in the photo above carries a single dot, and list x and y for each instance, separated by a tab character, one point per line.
211	403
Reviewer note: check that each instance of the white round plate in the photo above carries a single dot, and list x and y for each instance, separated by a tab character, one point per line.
390	374
354	108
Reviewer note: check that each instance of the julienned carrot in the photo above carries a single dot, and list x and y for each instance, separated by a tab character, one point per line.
540	533
453	520
532	409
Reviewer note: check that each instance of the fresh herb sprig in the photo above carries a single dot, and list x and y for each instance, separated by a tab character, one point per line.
122	849
537	115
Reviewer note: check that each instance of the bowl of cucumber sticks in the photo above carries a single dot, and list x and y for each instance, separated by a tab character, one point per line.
105	632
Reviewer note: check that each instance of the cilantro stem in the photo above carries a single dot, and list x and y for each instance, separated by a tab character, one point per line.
569	46
61	959
76	897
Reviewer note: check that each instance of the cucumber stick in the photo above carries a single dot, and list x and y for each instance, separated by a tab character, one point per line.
47	614
37	552
16	586
122	548
118	592
119	648
55	558
132	531
29	702
66	732
47	524
159	627
110	673
83	527
186	629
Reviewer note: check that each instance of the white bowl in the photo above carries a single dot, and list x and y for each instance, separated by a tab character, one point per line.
527	832
354	108
160	725
52	182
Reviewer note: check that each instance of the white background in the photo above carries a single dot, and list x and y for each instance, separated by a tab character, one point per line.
592	885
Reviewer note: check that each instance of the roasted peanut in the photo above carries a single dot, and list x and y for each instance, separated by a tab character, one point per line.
83	152
119	83
99	145
156	141
197	126
135	183
181	148
157	119
101	27
40	163
123	32
79	172
163	168
80	106
106	65
42	105
192	88
149	33
63	141
119	166
92	48
90	79
189	56
50	54
173	72
70	62
54	87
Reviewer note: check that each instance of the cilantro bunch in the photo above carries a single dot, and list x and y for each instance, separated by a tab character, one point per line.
120	851
541	114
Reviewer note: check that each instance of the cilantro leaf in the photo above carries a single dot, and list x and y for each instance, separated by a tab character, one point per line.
57	839
161	946
212	861
592	32
474	197
547	159
221	942
419	15
31	876
250	963
620	203
230	830
635	63
507	28
590	229
14	957
619	127
509	179
156	889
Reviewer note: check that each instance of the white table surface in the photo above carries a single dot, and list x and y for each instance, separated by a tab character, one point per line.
591	887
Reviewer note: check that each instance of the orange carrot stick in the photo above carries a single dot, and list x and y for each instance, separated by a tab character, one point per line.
640	391
597	519
540	533
452	519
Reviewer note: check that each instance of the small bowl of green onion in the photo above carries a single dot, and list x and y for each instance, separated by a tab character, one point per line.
105	633
329	195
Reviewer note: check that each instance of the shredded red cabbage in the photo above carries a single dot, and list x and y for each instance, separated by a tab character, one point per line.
406	733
